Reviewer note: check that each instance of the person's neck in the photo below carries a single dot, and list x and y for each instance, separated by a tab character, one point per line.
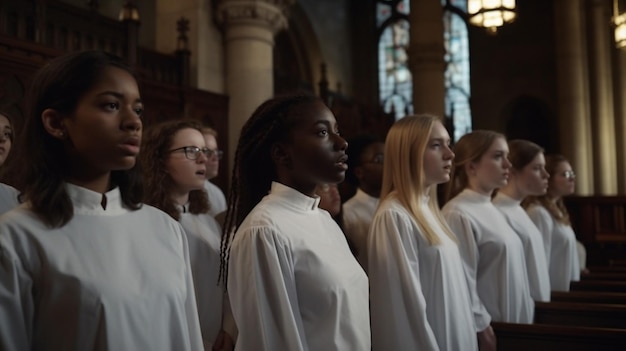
371	191
100	184
480	189
180	197
512	191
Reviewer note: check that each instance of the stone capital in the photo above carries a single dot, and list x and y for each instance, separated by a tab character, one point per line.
270	14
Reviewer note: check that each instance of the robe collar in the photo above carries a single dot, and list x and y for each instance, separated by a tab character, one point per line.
506	200
294	197
362	195
86	201
474	196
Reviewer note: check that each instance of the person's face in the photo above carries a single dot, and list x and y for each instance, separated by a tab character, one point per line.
187	174
6	135
316	152
330	200
103	134
213	162
370	169
492	170
562	182
533	178
437	156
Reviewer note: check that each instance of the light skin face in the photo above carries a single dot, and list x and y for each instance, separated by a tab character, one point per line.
6	134
492	170
186	174
213	162
560	183
370	170
330	200
532	180
315	152
437	157
103	133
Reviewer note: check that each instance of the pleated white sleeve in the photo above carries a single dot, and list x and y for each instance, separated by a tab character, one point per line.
545	224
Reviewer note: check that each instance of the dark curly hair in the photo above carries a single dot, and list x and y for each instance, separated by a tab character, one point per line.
157	181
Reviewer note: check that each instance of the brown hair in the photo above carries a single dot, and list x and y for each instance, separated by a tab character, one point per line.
557	208
522	152
157	181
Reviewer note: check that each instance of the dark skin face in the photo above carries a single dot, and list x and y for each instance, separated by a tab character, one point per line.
314	153
370	170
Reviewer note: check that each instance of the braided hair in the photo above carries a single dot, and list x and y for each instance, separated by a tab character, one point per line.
254	170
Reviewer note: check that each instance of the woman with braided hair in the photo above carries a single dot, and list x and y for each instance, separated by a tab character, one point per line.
292	281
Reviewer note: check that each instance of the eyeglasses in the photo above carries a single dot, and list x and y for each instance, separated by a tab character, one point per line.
192	152
569	175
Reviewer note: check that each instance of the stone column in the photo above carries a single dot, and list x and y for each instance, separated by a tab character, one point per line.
249	26
426	57
573	94
602	104
620	122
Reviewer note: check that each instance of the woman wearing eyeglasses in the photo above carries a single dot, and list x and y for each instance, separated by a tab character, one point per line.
549	214
173	160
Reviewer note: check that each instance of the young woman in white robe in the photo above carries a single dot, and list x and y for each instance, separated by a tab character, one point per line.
549	214
292	281
418	292
173	157
365	162
492	252
83	264
528	177
8	194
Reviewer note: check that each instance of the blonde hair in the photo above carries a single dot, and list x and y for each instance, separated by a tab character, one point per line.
557	209
470	148
403	171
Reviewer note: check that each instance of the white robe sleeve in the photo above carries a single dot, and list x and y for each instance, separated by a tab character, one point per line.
545	224
228	321
16	304
398	307
262	292
470	254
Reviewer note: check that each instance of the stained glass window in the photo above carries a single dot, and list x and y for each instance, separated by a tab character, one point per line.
395	79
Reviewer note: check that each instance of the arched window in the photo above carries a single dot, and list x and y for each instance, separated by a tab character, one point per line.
395	79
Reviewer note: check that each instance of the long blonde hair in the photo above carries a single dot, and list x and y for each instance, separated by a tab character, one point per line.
470	148
403	171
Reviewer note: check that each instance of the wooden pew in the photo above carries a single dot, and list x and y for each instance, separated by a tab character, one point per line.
599	285
589	297
539	337
581	314
609	276
607	269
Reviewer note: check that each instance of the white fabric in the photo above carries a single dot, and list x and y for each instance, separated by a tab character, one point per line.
217	200
110	279
293	282
419	296
358	212
204	238
536	263
494	260
8	198
560	244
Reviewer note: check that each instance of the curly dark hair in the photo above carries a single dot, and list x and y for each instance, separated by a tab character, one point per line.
254	169
158	184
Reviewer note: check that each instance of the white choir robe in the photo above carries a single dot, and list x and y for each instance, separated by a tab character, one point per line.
110	279
493	258
560	244
418	292
293	282
217	200
8	198
536	263
358	212
204	239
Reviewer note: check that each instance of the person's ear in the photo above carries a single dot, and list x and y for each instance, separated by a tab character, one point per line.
281	156
470	168
53	123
